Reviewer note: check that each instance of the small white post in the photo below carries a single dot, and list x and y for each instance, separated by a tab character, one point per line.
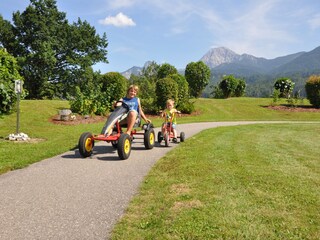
18	90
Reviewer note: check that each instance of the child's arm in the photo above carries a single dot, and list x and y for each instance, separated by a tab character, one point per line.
144	117
116	103
175	111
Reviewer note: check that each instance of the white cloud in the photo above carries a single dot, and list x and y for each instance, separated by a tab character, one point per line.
120	20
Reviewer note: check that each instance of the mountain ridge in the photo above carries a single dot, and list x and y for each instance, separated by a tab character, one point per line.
222	60
246	64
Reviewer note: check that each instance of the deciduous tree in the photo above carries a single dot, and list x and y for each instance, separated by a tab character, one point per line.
51	52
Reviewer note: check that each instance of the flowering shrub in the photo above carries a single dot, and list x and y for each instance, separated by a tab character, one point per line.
285	86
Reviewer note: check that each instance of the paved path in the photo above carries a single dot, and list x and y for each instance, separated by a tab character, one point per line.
68	197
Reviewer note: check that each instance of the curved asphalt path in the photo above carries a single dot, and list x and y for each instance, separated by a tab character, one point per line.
68	197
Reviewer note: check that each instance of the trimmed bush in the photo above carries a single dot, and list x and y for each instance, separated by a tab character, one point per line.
90	102
313	90
166	88
186	107
228	85
115	84
240	89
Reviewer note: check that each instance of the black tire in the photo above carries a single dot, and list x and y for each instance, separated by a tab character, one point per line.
149	138
86	144
124	146
182	137
166	137
160	137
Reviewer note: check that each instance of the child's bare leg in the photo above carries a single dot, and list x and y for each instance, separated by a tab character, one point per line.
131	118
163	128
174	133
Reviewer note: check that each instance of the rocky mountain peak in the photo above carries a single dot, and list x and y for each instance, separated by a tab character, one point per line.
217	56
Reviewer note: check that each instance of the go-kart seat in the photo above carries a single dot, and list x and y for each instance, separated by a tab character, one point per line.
123	123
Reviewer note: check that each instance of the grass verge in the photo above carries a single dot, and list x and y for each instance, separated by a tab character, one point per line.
242	182
51	139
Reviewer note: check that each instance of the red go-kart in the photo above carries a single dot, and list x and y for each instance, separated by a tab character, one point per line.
112	133
168	135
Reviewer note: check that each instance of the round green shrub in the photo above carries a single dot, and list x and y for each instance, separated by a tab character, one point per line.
228	85
313	90
166	88
186	107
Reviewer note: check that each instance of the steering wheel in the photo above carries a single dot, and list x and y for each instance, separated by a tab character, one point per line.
123	104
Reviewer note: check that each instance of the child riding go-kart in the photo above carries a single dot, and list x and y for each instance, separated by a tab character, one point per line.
112	133
168	132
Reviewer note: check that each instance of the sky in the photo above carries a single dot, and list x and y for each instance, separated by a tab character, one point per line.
182	31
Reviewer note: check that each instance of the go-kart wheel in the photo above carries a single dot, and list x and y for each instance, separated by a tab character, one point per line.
160	137
166	137
86	144
182	137
149	138
124	146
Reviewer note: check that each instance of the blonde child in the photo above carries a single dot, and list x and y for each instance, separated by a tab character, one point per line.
135	108
170	114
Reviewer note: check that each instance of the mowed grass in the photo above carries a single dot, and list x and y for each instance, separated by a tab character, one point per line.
49	139
241	182
54	139
240	109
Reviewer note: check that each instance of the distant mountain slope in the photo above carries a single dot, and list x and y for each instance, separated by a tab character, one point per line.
134	70
308	62
225	61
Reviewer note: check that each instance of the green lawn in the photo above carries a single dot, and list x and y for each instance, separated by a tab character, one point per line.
241	182
53	139
35	114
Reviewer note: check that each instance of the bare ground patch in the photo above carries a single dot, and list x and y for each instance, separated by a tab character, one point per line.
294	108
78	120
